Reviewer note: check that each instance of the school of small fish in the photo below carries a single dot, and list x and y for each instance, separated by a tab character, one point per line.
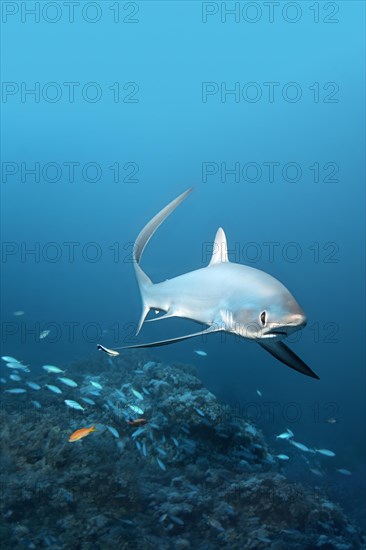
137	426
288	436
143	433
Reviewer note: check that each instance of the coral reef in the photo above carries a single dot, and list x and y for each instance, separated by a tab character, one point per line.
194	476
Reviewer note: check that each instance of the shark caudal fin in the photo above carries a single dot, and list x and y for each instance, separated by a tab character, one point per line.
113	352
145	235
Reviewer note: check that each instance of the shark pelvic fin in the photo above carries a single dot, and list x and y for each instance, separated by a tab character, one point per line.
165	316
208	330
219	252
288	357
145	311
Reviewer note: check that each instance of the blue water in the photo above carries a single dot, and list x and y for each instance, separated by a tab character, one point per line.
264	115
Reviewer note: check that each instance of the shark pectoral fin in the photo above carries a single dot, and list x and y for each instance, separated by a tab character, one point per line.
208	330
288	357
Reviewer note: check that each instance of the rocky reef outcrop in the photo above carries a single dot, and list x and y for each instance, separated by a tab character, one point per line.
195	475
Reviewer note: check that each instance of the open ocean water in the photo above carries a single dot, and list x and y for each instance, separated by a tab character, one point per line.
110	110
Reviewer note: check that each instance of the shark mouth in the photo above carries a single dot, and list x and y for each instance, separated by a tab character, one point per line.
276	333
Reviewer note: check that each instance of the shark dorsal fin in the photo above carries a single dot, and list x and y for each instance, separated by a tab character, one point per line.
219	253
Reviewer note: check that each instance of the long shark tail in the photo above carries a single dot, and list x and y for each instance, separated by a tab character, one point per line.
145	235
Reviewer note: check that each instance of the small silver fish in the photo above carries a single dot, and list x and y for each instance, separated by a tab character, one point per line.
88	401
200	352
324	452
96	385
300	446
344	471
137	394
74	405
199	412
94	392
15	377
138	432
215	524
113	431
316	472
33	385
52	369
161	464
259	393
55	389
120	445
146	392
18	313
16	366
161	451
67	382
36	404
138	445
282	457
3	380
176	519
136	409
44	334
16	390
175	441
121	395
144	450
9	359
285	435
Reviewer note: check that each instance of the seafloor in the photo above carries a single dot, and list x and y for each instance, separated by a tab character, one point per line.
195	476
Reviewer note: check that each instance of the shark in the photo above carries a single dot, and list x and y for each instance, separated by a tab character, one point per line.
223	296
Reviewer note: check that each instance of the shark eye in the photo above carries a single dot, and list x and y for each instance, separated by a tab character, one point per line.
263	318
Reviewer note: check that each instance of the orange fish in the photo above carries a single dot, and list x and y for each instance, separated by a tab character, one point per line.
83	432
137	422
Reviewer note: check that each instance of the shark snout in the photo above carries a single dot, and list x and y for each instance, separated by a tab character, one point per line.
294	322
298	320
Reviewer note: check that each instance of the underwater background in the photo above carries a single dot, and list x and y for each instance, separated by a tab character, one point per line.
110	110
